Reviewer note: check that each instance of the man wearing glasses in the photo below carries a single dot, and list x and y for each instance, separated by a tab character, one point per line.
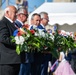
45	57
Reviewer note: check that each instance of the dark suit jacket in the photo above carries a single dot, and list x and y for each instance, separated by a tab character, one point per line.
8	53
43	56
41	27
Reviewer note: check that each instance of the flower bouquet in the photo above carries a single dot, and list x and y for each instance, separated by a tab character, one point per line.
35	40
64	41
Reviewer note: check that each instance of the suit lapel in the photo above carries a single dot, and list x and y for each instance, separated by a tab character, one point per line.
41	27
17	23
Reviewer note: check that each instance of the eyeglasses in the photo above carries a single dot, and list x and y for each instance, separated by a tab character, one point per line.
46	19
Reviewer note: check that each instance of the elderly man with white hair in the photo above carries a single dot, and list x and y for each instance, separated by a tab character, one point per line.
9	60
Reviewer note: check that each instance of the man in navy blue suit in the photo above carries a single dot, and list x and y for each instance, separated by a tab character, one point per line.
45	57
35	66
22	16
40	64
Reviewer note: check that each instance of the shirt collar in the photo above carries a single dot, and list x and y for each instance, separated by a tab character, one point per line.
9	19
20	22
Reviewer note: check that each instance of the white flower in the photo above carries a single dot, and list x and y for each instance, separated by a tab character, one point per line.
36	34
52	36
63	33
28	35
68	33
41	33
19	40
35	27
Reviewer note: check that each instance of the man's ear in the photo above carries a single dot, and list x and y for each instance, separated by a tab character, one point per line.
7	12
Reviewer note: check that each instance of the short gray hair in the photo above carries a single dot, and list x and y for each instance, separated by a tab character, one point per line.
32	17
42	14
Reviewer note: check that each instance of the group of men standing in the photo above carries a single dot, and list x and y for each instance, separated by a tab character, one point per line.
25	63
35	63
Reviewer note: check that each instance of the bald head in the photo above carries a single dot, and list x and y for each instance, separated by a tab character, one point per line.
10	12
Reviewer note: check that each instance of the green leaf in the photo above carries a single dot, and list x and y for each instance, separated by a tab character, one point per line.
18	49
36	44
55	53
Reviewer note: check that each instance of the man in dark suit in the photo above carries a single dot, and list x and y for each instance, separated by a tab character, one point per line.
9	60
22	16
46	56
40	64
35	65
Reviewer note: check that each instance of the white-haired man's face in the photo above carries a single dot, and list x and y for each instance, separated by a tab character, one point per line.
10	12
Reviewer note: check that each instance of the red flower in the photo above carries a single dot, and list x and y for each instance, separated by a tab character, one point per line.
59	31
19	34
26	26
32	31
